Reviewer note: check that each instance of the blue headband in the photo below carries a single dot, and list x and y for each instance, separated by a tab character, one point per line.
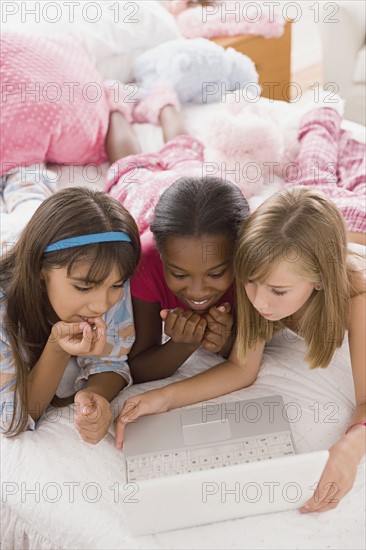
112	236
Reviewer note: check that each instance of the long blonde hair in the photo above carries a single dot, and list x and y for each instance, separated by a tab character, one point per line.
304	227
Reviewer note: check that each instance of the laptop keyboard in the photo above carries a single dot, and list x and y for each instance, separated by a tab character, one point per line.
251	449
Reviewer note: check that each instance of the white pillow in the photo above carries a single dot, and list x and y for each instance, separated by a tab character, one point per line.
125	32
114	33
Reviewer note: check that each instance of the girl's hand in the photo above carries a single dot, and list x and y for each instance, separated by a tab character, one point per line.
218	330
81	339
150	402
184	327
337	479
93	416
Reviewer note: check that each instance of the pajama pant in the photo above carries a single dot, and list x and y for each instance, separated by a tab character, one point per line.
332	162
138	181
23	190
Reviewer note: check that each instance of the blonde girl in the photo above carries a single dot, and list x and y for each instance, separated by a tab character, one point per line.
293	269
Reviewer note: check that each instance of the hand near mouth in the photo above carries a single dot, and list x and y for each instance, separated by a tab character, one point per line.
80	339
219	327
184	327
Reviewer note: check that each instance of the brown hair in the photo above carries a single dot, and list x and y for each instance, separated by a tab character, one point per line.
69	213
304	227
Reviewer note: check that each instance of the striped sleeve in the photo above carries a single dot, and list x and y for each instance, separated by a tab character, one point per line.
120	339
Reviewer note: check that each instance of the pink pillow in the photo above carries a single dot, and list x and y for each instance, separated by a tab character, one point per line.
54	105
230	19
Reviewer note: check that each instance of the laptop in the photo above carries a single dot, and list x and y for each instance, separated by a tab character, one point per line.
214	462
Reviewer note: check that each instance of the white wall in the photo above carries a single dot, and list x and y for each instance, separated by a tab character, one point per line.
306	45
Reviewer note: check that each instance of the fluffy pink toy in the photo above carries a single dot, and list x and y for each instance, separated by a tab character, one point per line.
243	141
177	6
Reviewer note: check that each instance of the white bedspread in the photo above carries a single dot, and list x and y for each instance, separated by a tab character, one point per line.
59	492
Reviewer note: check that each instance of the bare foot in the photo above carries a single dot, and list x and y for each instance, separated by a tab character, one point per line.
171	123
121	140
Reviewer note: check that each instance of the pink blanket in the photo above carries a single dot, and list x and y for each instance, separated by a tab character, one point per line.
54	105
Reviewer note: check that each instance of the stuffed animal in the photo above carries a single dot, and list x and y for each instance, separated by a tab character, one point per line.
199	70
245	144
252	141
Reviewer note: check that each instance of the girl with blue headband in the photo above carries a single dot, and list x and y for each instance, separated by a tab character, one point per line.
66	310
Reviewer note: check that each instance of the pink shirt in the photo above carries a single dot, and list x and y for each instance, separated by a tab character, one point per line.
149	285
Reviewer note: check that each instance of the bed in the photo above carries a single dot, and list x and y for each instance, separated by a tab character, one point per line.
59	492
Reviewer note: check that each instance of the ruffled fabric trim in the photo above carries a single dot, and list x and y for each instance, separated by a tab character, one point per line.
161	95
17	533
231	18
